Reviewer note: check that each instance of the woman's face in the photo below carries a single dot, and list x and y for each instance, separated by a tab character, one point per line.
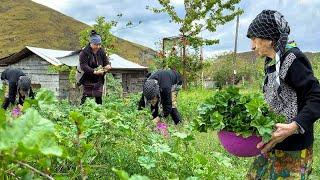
262	47
95	47
154	101
23	93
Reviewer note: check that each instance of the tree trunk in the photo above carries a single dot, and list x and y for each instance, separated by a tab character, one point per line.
184	73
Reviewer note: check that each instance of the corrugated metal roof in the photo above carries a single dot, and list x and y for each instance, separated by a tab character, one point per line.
117	62
120	63
49	55
70	58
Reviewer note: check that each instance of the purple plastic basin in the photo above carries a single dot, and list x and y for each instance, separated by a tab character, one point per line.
238	145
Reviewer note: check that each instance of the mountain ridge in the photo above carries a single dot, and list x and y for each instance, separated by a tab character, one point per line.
27	23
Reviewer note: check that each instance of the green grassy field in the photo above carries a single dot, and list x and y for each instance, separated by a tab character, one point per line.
115	140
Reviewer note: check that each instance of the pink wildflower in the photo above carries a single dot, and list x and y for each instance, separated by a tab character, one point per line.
16	112
162	128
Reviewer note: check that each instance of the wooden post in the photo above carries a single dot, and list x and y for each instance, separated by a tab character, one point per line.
163	53
201	61
235	53
185	84
242	80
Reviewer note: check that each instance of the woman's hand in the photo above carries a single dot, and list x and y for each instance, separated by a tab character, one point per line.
99	72
156	120
107	68
283	131
20	107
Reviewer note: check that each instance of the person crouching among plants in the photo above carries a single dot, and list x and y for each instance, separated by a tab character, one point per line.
290	89
160	90
15	83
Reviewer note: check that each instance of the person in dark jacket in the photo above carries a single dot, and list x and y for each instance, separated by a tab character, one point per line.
290	89
95	63
160	90
15	83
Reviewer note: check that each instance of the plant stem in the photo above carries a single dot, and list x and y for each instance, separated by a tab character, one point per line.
83	173
34	170
99	166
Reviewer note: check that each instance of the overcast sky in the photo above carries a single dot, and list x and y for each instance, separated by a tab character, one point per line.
303	17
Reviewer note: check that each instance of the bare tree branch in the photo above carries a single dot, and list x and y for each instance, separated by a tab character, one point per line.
34	170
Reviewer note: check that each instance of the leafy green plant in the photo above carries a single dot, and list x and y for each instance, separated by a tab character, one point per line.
24	141
244	114
114	87
116	141
123	175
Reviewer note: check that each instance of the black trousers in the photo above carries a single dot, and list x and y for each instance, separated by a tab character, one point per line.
175	115
98	99
5	103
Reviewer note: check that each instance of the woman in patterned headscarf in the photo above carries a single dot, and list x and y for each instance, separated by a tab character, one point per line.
16	83
160	91
290	89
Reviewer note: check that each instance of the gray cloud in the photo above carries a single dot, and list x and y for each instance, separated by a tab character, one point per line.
302	15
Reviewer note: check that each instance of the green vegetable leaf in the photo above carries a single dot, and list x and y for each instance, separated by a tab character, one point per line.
30	132
146	162
139	177
217	121
121	174
254	106
229	110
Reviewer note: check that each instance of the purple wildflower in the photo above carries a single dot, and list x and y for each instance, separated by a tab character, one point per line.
16	112
163	129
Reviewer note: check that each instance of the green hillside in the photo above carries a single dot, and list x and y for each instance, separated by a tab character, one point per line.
250	56
24	22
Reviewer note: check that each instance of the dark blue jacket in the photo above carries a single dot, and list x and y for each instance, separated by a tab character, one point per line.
12	78
166	79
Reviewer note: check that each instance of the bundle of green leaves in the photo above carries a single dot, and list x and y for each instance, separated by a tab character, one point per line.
243	114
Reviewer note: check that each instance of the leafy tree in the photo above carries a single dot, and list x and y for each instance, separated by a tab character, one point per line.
199	16
192	66
103	28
